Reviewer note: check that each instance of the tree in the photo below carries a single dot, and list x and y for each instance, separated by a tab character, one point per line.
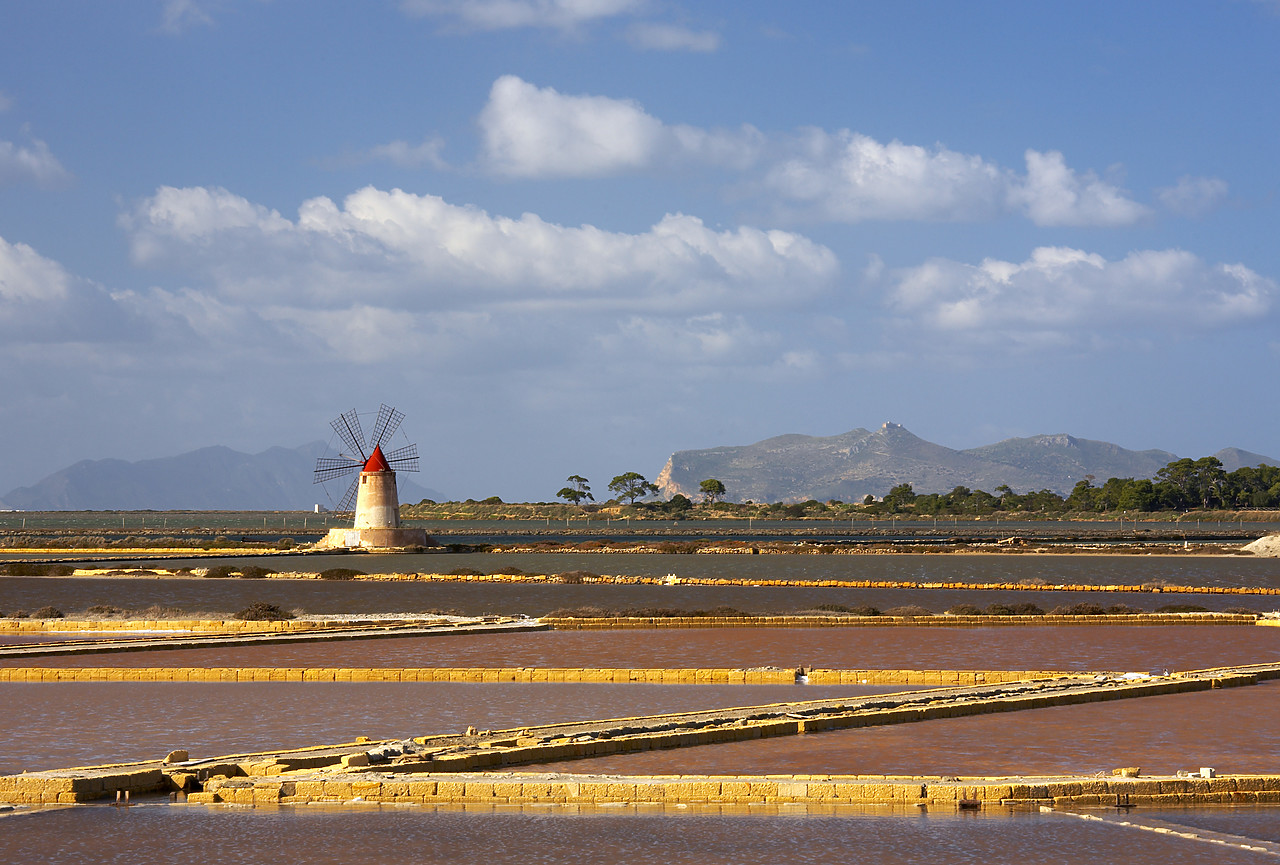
1195	482
580	489
1084	496
899	498
632	486
679	504
712	490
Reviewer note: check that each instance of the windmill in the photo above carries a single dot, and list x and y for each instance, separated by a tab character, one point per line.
373	488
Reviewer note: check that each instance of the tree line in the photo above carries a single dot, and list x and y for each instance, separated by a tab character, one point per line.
632	486
1183	484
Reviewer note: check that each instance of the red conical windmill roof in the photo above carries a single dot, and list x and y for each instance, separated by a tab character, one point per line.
376	462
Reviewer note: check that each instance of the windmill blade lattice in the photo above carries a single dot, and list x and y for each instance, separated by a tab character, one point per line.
403	459
359	450
329	468
386	425
349	500
347	426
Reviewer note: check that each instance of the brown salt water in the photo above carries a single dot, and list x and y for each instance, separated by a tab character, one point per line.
89	723
220	598
553	835
1077	647
1233	730
1258	821
337	597
1242	570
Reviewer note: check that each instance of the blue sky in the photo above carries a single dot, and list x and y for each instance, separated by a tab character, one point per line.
573	236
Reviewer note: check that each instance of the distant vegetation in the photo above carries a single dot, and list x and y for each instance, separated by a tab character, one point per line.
1181	486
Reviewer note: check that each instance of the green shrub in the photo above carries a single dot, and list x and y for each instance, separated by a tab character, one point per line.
36	569
255	572
1081	609
859	610
104	610
341	574
47	613
1182	608
1022	608
964	610
155	611
576	577
909	610
219	572
263	612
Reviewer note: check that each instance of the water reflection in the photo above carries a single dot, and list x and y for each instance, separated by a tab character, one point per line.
1080	647
556	835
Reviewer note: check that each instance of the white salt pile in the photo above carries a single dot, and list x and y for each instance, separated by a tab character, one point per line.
1265	546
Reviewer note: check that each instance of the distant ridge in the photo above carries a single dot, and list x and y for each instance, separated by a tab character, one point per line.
853	465
212	478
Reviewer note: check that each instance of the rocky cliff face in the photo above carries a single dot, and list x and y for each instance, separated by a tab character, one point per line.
848	467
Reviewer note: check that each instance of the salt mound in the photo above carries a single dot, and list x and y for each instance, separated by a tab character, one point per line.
1265	546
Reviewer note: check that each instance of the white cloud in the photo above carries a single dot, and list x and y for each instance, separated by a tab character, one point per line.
1193	196
391	255
538	132
179	16
844	176
1052	194
712	339
850	177
513	14
35	163
533	132
1061	295
407	155
6	102
651	36
41	302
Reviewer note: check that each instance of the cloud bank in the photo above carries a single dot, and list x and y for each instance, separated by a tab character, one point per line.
1061	295
41	302
537	132
426	274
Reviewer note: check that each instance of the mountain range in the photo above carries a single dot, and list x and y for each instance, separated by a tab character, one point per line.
787	468
853	465
213	478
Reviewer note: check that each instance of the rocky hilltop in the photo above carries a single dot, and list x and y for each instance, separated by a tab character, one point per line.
850	466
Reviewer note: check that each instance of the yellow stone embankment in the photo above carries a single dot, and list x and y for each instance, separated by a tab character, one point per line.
212	626
833	584
292	626
721	676
510	788
949	621
521	789
625	580
42	788
267	777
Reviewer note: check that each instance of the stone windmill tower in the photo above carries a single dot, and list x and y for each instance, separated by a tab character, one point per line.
373	489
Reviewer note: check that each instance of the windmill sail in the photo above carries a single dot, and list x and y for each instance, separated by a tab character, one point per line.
347	426
386	425
359	452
